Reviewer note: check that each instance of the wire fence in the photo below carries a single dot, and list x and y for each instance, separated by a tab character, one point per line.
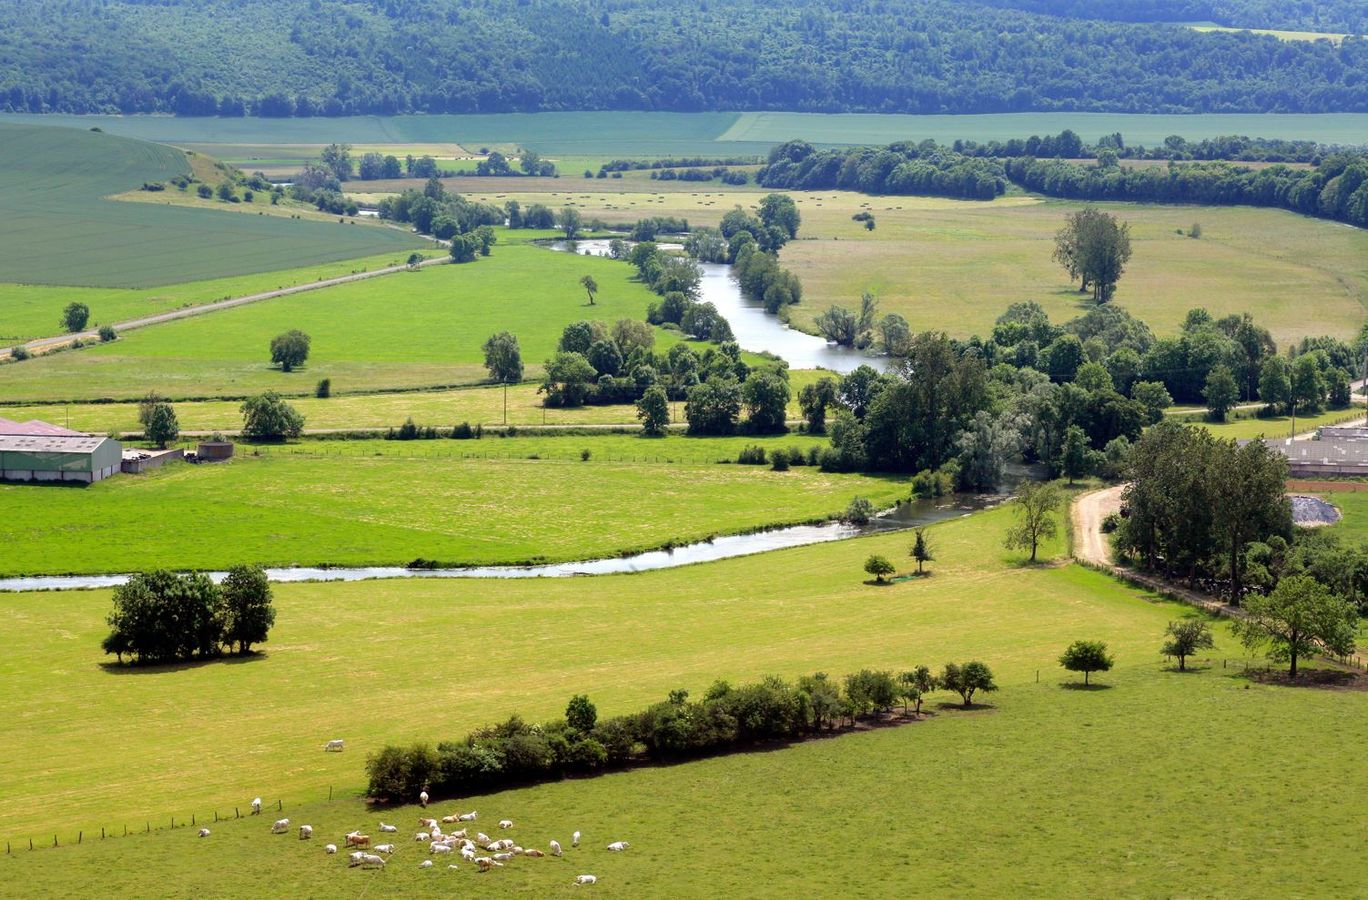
414	450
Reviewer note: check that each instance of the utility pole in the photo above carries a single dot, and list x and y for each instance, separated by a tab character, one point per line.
505	384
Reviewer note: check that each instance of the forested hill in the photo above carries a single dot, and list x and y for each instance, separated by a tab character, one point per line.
341	57
1334	16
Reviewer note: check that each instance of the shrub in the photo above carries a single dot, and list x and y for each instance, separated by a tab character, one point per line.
462	432
879	567
779	462
859	512
1111	523
19	353
751	456
107	333
266	417
324	388
585	454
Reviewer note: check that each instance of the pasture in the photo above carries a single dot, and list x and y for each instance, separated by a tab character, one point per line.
413	329
57	229
1245	424
499	500
1052	792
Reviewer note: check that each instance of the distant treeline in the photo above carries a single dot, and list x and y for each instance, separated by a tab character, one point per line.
902	168
335	57
1336	189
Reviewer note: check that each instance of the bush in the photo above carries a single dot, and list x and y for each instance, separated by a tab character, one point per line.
266	417
19	353
1111	523
107	333
859	512
779	461
324	388
751	456
463	432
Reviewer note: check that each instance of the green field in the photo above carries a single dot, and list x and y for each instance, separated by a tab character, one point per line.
30	311
713	133
390	502
1331	36
419	328
56	229
1248	425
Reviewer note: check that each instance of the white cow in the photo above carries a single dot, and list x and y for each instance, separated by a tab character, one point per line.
281	826
505	823
423	798
425	864
440	848
587	879
334	746
467	817
370	859
422	836
467	854
556	848
356	858
574	839
384	848
330	848
388	829
305	832
533	852
618	846
204	832
482	838
256	806
503	856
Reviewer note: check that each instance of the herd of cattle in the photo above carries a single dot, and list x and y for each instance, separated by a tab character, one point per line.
479	849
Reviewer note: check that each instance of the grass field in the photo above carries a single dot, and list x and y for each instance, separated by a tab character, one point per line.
29	311
1248	425
1331	36
477	405
56	229
670	134
519	646
390	502
420	328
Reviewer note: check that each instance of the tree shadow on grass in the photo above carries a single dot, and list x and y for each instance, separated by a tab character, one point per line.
879	584
1080	686
126	668
956	706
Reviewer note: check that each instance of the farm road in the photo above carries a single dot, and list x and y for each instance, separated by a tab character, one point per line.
41	344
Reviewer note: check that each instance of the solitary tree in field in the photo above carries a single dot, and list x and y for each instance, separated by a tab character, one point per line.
161	427
75	317
921	549
289	350
1035	508
570	222
1185	638
879	567
503	358
1086	657
590	287
1299	618
1094	247
966	680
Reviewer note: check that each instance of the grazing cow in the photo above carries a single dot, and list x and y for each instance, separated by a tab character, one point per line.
517	851
358	840
388	829
440	848
505	823
426	822
467	854
204	832
467	817
330	848
384	848
587	879
556	848
333	746
533	852
459	835
618	846
305	832
256	806
423	798
425	864
422	836
451	819
485	863
503	856
370	859
356	858
482	838
281	826
574	839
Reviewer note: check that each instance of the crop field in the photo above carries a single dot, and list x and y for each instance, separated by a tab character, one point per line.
390	502
30	311
421	328
56	229
620	133
518	646
482	405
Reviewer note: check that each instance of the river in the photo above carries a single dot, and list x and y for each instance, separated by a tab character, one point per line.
906	515
755	329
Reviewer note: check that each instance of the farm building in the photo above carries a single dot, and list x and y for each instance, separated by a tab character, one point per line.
1331	455
37	451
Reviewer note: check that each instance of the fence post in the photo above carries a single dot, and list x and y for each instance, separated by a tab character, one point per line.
102	834
236	814
80	837
280	805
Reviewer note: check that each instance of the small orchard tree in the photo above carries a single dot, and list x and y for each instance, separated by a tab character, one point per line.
580	714
1299	618
590	287
1035	508
162	427
879	567
921	549
289	350
75	317
249	614
1086	657
1185	638
966	680
913	687
653	409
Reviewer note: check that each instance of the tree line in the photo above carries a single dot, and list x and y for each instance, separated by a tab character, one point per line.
161	617
727	719
925	168
323	58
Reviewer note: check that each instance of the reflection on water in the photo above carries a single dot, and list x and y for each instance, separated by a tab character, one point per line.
755	329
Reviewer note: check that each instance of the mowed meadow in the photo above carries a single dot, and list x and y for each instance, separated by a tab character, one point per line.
515	500
907	809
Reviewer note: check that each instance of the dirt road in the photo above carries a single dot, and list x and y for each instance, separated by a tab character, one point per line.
1090	544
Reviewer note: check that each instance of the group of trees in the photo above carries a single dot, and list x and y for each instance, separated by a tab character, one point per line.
1094	248
441	214
925	168
727	719
529	162
323	58
162	617
267	417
